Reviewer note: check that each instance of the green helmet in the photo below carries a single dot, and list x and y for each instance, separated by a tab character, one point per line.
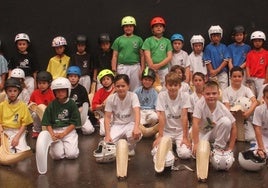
128	20
105	72
147	72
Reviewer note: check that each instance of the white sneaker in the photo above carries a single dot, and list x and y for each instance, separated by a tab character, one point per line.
131	153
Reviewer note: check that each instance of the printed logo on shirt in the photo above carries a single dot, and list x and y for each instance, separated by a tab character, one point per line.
209	125
122	116
135	44
85	64
24	63
64	67
262	60
171	116
162	47
16	117
145	100
63	115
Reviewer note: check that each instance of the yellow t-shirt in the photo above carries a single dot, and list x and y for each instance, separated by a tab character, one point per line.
14	115
58	66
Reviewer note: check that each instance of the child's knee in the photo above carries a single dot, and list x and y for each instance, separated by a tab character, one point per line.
184	152
72	154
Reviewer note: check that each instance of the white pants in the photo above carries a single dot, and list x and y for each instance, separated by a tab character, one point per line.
222	80
87	127
162	73
124	131
22	146
148	117
85	81
133	71
258	84
65	147
220	134
29	82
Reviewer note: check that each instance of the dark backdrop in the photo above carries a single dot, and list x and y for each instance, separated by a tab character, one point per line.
43	20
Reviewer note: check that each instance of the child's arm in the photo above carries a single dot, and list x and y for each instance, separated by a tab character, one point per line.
164	61
161	125
107	121
232	137
258	133
66	132
187	75
16	139
266	77
1	128
157	66
214	72
195	133
114	61
254	104
3	79
184	120
142	61
51	132
136	131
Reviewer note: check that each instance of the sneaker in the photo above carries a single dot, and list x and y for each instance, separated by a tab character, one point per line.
131	153
35	134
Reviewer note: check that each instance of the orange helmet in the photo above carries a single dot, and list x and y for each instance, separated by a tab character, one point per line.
158	20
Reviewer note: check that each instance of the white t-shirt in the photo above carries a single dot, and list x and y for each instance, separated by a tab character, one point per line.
122	110
196	63
179	59
260	118
193	100
185	88
208	119
230	96
173	109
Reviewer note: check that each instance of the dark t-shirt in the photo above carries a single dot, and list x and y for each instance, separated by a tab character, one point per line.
103	60
84	63
79	95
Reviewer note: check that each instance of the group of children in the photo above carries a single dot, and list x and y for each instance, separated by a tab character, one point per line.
139	83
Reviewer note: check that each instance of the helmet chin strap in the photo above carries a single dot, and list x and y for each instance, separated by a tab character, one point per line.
12	101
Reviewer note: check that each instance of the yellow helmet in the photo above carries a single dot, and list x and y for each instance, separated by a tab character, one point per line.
105	72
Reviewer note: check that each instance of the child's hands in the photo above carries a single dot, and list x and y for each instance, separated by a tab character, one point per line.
136	133
107	139
60	135
194	149
157	141
15	141
186	142
246	114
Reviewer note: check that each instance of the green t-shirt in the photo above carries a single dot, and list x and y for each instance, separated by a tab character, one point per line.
128	49
61	115
158	48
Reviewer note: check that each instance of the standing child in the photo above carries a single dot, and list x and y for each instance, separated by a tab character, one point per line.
61	117
14	117
124	107
79	96
172	106
196	56
128	57
59	63
257	61
3	67
213	122
24	60
42	95
106	78
179	56
216	57
237	90
158	49
83	60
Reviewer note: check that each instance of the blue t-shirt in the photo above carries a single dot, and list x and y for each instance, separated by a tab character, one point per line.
147	98
215	55
238	53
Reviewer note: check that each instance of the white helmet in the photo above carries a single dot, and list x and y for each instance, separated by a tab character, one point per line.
250	160
197	39
242	103
22	36
258	35
61	83
222	160
170	158
105	153
215	29
59	41
17	73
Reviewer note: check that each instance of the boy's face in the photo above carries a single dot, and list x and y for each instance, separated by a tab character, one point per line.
211	94
105	46
22	45
147	82
173	89
73	78
106	81
128	29
239	38
59	50
121	87
177	45
61	94
265	98
257	43
81	48
198	82
198	48
12	93
158	29
215	38
237	77
42	85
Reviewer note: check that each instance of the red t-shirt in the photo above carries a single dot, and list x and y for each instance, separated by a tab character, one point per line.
42	98
257	62
99	97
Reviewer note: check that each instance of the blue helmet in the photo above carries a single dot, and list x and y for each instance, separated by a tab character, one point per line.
74	70
177	36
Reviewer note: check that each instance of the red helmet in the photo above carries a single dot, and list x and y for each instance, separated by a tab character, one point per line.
158	20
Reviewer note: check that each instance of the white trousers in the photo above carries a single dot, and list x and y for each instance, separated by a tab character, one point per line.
22	146
133	71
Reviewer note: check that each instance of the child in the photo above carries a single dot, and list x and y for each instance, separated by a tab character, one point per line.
19	74
128	57
213	122
42	95
82	59
179	56
237	90
216	57
147	96
79	96
106	78
196	56
14	117
238	49
3	67
158	49
257	61
184	87
124	106
261	125
25	60
61	117
172	106
59	63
